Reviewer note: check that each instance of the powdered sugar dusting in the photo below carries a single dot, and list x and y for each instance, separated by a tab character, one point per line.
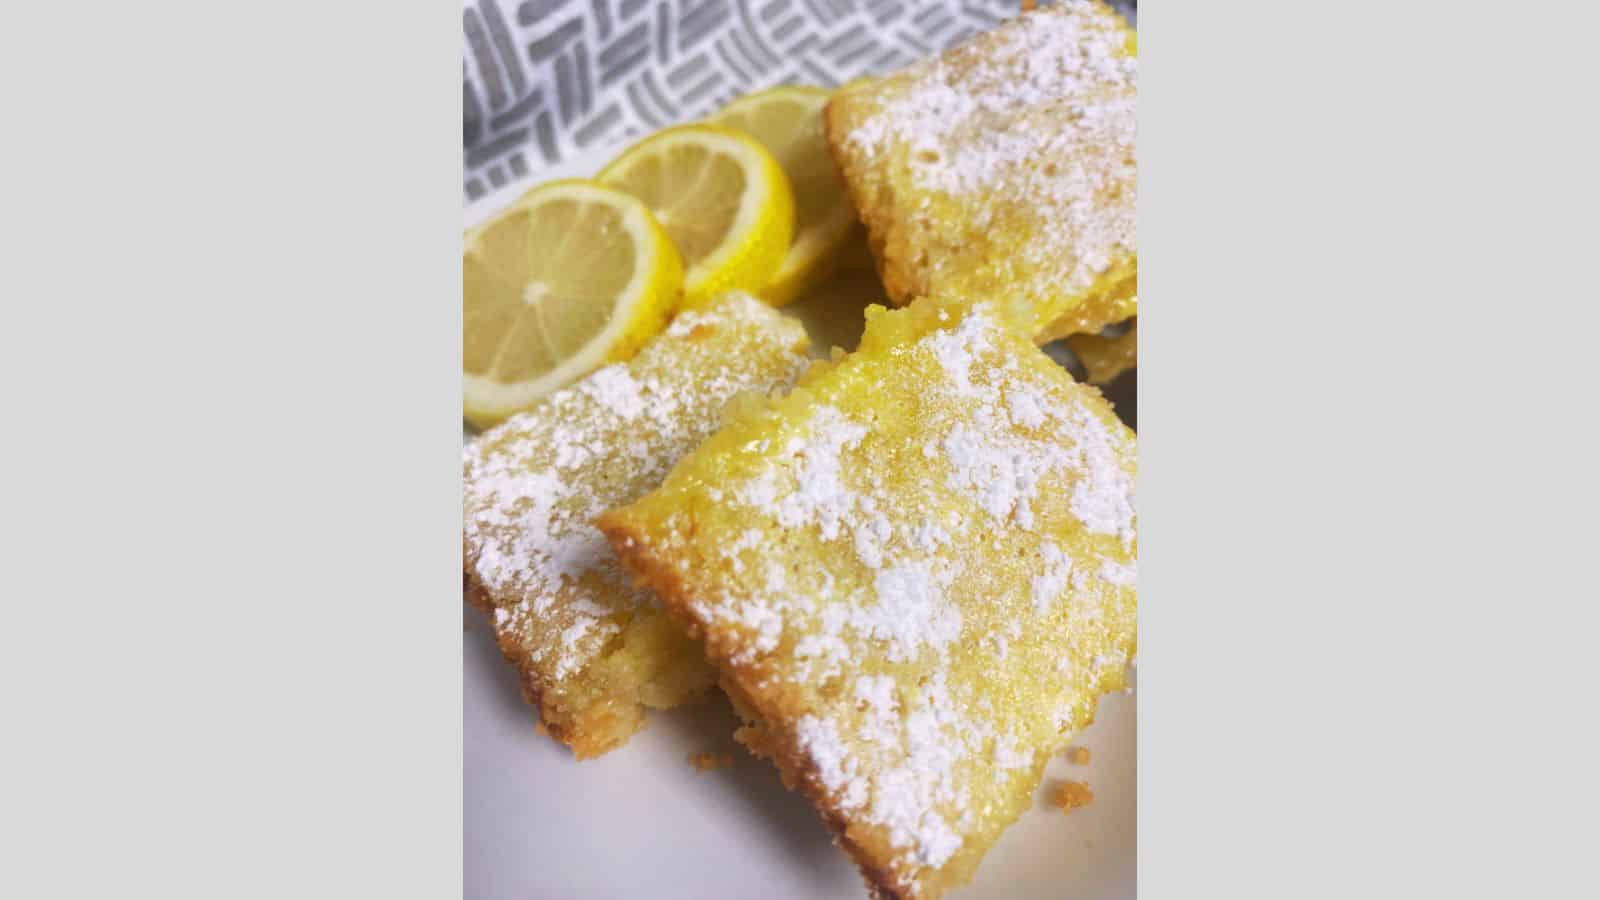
1034	119
534	485
616	390
1120	574
1052	582
1003	474
957	348
911	613
819	497
1006	754
901	797
836	768
1103	498
877	692
896	543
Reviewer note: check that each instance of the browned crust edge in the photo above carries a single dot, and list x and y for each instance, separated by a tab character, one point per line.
899	282
572	735
881	884
799	776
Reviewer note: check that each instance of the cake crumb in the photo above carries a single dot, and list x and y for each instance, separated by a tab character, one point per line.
707	761
1078	756
1069	795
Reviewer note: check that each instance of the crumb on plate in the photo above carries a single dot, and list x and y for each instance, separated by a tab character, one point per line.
706	761
1069	795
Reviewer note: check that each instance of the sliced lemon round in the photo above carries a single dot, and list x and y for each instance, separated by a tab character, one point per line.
572	276
723	199
787	120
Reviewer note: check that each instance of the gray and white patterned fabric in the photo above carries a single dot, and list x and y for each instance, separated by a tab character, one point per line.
545	79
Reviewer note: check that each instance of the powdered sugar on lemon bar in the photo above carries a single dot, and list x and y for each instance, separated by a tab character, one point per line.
917	575
1005	168
592	648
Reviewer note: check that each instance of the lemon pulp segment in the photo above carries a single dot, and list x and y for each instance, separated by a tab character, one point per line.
720	196
787	120
571	276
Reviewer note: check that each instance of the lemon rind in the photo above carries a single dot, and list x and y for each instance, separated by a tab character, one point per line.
488	401
813	256
773	197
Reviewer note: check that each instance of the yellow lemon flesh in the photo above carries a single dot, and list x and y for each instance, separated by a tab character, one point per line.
721	197
573	275
787	120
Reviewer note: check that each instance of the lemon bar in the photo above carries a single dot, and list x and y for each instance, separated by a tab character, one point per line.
592	649
1004	169
916	575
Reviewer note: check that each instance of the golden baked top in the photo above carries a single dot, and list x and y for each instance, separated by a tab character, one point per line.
534	484
916	571
1004	167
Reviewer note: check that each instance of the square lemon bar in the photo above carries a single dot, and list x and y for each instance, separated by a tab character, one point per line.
916	575
1004	168
592	649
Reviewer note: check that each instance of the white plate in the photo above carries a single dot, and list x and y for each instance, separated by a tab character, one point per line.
640	822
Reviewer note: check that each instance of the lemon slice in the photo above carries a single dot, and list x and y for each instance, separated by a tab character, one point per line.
787	120
572	276
723	199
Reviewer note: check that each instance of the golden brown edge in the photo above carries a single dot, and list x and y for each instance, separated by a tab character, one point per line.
797	773
474	594
671	585
899	282
573	736
793	768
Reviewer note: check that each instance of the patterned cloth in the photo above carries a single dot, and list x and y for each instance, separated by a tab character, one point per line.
544	79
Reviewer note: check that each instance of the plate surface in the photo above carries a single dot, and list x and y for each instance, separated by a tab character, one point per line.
640	822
